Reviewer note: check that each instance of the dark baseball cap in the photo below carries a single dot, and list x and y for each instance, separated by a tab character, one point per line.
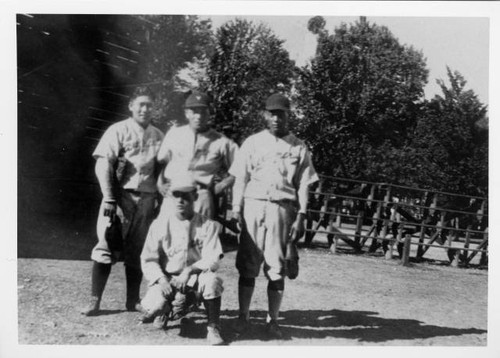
277	101
197	99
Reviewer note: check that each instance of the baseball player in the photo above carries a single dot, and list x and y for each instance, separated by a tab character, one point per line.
273	171
197	149
181	254
125	168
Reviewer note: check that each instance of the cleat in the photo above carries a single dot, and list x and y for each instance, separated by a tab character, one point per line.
241	326
134	306
213	336
92	307
160	321
273	330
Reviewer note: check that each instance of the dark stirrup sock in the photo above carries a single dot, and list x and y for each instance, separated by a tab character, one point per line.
134	277
100	274
213	311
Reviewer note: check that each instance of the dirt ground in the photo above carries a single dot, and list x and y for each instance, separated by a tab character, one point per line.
338	300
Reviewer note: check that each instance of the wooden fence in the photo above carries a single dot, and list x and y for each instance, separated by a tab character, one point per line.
392	217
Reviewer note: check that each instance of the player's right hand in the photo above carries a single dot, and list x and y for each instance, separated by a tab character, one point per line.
166	288
238	218
110	210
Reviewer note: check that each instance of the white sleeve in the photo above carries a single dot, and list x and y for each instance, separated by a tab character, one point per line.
164	153
306	176
150	256
241	171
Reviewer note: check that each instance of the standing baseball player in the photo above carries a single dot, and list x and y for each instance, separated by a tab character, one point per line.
273	171
125	168
199	150
181	255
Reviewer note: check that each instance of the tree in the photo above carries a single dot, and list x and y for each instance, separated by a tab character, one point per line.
451	140
359	100
248	63
170	42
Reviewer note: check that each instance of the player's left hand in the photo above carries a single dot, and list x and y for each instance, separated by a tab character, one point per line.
182	280
298	228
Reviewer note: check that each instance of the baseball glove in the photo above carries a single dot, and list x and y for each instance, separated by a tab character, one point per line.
113	235
292	261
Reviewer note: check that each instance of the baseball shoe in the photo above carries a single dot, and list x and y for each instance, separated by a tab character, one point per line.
213	336
273	330
133	306
92	307
241	326
147	317
161	321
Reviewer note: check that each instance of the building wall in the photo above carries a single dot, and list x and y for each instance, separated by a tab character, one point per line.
74	75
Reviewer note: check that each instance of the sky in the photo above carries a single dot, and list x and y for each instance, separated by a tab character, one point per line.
461	43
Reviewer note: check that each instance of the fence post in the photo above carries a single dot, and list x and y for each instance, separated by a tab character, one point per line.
454	254
371	195
484	258
359	228
338	219
376	218
333	244
455	261
465	253
406	250
433	204
388	253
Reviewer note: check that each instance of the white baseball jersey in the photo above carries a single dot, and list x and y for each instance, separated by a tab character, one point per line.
203	154
138	146
271	168
173	244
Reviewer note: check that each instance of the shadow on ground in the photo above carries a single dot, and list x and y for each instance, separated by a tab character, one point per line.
361	326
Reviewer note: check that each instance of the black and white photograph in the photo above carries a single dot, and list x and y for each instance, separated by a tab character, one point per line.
250	174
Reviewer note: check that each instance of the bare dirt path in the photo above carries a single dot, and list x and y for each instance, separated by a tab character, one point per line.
338	300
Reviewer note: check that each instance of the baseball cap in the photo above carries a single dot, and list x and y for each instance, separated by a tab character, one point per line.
277	101
197	99
183	183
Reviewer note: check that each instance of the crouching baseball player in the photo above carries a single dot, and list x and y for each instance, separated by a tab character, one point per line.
181	256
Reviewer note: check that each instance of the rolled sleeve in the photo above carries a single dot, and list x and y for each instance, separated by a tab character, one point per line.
109	146
231	149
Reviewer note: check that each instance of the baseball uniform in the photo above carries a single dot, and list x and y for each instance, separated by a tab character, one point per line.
269	172
173	244
203	155
135	149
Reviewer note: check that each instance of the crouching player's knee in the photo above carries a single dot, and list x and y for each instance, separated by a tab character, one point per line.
154	301
210	285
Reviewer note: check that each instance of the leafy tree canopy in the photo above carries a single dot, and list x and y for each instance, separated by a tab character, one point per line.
359	98
451	139
247	64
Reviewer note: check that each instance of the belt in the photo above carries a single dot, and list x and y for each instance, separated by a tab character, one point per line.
278	201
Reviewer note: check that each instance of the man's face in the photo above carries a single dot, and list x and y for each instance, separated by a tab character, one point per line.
198	118
184	202
277	122
141	108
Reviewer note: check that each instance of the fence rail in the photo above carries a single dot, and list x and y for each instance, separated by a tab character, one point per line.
395	216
